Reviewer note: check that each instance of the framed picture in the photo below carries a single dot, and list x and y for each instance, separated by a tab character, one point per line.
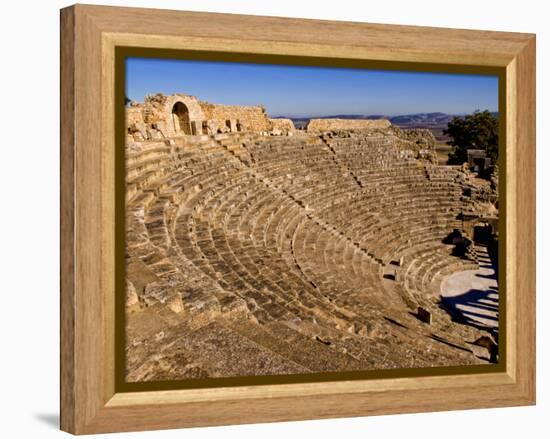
269	219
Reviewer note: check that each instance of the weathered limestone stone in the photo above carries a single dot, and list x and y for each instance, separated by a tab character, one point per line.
153	134
180	115
138	127
488	343
251	118
134	115
161	127
424	315
316	125
232	124
175	303
132	299
254	252
211	127
420	141
283	126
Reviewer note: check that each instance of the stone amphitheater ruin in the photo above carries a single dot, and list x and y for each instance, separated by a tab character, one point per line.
254	248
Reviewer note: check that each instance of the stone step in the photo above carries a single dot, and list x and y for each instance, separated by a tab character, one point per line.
312	354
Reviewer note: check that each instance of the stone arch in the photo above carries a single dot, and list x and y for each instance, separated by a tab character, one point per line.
180	118
482	232
183	114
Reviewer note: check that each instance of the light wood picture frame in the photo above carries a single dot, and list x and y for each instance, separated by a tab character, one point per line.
91	36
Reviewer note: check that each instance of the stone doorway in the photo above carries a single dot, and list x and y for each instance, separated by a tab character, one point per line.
483	234
180	117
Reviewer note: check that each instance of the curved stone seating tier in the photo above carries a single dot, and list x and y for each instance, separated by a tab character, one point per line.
247	271
290	236
423	270
162	276
395	224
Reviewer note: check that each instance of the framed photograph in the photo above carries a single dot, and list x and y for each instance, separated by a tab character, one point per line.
267	219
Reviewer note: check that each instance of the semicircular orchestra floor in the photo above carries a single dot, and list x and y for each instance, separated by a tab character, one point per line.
472	295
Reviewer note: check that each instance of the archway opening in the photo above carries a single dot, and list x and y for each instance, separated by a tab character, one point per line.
180	117
483	233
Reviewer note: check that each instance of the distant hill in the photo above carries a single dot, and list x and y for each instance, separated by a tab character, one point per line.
427	119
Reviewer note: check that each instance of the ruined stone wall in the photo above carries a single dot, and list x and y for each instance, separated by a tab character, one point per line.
315	125
160	117
154	119
420	140
419	136
251	118
138	128
153	109
282	126
134	115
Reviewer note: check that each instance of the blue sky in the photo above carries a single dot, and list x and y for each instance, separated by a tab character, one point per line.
313	91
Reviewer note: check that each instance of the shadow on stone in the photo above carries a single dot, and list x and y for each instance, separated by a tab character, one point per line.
474	300
442	340
395	322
